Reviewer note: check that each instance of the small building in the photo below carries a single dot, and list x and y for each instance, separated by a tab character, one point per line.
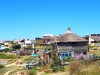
48	38
7	44
26	42
71	45
44	42
94	39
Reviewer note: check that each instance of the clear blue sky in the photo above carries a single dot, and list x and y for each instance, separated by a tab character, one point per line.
34	18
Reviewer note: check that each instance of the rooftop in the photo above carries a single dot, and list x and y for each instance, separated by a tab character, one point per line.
70	37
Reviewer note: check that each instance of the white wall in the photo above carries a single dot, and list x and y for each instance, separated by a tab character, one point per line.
90	40
3	47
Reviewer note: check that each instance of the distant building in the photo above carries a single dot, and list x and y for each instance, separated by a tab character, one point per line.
70	44
15	41
37	38
48	38
5	44
44	42
26	42
94	39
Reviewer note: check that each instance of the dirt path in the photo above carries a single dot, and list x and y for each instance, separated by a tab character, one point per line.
7	72
16	64
59	73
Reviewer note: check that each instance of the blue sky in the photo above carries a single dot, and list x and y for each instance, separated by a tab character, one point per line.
34	18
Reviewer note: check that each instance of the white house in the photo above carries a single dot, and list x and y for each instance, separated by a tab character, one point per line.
5	44
94	39
26	42
3	47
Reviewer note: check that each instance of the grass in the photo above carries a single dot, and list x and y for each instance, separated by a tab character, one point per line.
28	58
78	68
95	52
8	56
4	70
85	69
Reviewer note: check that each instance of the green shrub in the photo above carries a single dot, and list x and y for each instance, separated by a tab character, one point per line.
69	58
35	69
55	69
18	46
65	59
1	66
29	59
8	56
52	65
32	72
62	68
6	50
55	59
91	46
40	64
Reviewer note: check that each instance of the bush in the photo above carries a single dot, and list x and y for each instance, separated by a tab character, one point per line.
55	59
18	46
55	69
52	65
69	58
6	50
32	72
1	66
62	68
7	56
40	64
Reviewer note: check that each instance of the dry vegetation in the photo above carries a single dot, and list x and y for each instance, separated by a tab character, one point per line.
82	67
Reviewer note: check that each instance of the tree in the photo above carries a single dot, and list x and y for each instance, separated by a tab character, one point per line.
6	50
55	59
1	66
18	46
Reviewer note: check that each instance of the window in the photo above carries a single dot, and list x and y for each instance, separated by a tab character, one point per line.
70	54
66	54
74	43
63	55
98	34
93	42
93	34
